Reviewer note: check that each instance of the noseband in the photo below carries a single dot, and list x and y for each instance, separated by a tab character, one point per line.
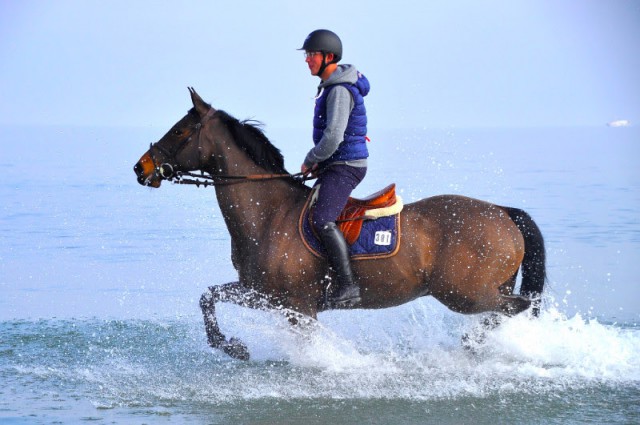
167	170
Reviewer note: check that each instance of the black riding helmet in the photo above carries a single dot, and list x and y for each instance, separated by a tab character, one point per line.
324	41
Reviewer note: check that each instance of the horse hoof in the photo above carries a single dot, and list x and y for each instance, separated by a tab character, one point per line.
236	349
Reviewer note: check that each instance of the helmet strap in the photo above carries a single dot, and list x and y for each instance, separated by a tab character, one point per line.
325	64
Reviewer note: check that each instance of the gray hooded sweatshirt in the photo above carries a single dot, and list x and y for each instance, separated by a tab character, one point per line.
339	106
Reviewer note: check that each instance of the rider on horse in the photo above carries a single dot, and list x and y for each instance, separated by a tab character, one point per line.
339	157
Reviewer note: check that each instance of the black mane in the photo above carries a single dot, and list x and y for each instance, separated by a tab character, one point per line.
252	140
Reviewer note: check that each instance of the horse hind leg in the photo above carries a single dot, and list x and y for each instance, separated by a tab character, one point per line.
508	305
513	304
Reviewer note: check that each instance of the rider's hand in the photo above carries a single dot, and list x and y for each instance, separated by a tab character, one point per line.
309	170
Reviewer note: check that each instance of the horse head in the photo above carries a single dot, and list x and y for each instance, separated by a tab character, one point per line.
178	150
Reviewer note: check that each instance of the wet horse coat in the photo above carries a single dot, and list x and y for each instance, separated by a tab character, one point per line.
464	252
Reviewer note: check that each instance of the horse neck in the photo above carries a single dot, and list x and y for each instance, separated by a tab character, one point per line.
249	206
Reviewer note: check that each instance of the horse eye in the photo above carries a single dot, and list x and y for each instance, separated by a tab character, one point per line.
177	132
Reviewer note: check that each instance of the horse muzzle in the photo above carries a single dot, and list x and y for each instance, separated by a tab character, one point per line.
147	172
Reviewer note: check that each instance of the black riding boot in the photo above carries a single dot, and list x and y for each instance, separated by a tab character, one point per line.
338	255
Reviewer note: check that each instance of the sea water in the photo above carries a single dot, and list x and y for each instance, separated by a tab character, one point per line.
100	280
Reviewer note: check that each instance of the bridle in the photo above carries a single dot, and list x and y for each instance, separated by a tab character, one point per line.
167	170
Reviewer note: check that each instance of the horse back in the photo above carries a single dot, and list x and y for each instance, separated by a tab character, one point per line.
451	246
450	221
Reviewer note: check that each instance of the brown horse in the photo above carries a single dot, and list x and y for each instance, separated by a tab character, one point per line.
464	252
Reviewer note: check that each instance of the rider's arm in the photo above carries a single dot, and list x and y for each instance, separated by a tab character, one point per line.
339	106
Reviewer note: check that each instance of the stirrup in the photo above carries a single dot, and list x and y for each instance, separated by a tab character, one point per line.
349	296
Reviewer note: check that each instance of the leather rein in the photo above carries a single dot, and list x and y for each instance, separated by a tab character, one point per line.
218	180
166	170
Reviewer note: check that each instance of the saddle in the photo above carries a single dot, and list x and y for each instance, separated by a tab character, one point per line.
371	226
380	204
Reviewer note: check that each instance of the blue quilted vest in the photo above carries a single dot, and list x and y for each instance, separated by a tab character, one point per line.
354	144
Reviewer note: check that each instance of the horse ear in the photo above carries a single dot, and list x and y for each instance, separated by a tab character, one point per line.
201	106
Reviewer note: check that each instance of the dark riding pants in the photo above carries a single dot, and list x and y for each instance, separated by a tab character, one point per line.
336	184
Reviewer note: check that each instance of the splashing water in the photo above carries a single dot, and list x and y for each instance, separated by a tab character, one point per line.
411	354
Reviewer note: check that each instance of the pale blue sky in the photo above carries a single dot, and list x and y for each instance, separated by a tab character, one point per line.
431	64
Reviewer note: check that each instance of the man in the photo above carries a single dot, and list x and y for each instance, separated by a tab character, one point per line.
339	157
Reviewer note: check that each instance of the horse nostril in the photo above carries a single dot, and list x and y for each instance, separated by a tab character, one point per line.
137	169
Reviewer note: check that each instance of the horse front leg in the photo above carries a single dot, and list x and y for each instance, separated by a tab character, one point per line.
215	337
237	294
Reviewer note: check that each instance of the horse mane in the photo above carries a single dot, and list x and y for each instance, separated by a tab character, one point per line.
250	137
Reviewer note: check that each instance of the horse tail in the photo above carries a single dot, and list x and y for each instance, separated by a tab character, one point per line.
533	266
